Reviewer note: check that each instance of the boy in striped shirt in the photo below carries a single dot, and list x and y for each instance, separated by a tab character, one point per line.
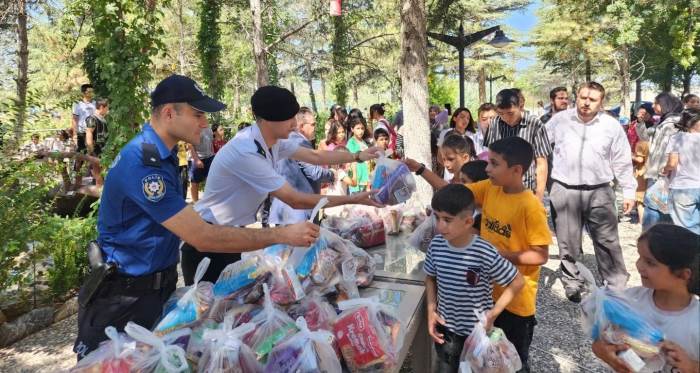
461	268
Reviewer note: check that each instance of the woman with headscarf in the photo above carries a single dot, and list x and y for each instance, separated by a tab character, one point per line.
669	108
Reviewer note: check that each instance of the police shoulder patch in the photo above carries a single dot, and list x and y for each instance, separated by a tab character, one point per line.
153	187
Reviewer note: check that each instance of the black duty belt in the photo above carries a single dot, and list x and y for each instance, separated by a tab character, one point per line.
154	281
582	187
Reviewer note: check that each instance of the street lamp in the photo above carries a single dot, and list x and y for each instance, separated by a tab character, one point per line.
462	41
491	79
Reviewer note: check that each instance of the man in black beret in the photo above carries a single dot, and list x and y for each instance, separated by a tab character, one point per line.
243	174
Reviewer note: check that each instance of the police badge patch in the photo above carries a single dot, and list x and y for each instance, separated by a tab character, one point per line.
153	187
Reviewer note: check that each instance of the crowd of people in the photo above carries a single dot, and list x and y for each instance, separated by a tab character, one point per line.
491	174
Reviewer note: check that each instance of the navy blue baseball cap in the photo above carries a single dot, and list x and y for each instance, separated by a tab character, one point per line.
178	88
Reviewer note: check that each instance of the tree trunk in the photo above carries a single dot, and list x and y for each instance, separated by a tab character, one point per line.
259	52
687	77
588	70
181	42
355	96
310	83
667	85
236	97
22	69
625	82
482	85
413	72
340	37
637	92
323	92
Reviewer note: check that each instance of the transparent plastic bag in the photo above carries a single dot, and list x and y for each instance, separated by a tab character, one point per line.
197	345
239	283
285	286
369	334
159	356
272	326
226	351
361	225
363	264
347	288
392	217
306	351
319	314
191	306
423	234
658	195
112	356
488	352
394	181
608	314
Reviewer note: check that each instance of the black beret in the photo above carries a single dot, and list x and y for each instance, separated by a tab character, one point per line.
273	103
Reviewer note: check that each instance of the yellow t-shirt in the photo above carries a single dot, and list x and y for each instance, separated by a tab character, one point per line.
513	222
182	153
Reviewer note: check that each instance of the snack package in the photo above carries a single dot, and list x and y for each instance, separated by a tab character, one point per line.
412	216
317	312
347	288
368	334
272	326
279	250
191	306
392	217
285	286
488	352
239	283
226	351
363	226
423	234
306	351
112	356
609	315
197	345
317	262
364	265
158	357
394	181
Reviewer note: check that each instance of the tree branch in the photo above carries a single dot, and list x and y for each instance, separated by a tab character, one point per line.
287	34
356	45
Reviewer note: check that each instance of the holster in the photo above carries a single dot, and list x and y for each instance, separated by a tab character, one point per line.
99	271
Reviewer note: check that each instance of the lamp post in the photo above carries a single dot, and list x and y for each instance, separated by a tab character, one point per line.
462	41
491	79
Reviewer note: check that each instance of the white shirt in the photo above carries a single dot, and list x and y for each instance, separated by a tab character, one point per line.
680	327
82	110
241	176
590	153
687	146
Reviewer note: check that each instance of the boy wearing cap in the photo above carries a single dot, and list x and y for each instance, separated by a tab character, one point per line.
143	216
243	174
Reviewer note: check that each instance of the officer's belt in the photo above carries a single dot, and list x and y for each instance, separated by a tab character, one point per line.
155	281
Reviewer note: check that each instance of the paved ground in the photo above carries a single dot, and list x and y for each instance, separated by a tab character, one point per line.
559	343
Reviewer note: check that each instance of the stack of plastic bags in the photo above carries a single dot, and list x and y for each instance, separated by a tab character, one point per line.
610	316
226	351
306	351
488	351
394	181
361	225
369	334
112	356
272	325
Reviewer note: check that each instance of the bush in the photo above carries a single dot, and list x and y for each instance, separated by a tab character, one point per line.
67	241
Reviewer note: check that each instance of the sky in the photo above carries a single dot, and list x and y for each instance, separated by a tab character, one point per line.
523	21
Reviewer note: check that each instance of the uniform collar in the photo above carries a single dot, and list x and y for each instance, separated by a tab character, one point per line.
151	137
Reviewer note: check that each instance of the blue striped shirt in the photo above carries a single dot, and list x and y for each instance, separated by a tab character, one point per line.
465	279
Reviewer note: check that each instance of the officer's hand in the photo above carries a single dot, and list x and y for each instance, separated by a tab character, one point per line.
199	163
300	234
365	198
370	153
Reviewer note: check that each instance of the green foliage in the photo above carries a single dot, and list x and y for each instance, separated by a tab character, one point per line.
67	239
340	46
93	72
441	90
209	46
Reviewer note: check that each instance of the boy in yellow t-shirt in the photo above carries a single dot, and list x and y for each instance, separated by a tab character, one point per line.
514	221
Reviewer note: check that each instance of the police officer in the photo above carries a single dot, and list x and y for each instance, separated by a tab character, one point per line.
143	216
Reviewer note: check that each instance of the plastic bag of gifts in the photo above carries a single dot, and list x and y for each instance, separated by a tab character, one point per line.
239	283
423	234
488	351
361	225
305	351
657	195
158	354
226	351
318	313
114	355
272	326
394	181
609	314
188	304
369	335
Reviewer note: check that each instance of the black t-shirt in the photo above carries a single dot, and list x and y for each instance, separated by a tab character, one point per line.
99	134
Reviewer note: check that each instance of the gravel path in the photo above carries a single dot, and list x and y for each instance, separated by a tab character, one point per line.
559	343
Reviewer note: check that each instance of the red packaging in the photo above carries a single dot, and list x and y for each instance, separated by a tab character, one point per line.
358	340
371	235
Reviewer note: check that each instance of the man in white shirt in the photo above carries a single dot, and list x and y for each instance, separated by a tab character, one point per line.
590	150
81	111
243	174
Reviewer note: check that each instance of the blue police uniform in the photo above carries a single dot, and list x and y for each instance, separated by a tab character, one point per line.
141	191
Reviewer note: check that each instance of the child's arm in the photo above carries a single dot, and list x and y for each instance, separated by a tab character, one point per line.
349	181
532	256
608	353
433	316
679	359
506	297
433	179
671	164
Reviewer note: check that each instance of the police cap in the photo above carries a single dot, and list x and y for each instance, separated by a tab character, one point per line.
178	88
273	103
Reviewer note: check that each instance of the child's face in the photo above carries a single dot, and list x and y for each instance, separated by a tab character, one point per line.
454	226
340	135
656	275
452	160
358	130
220	132
499	172
382	142
695	127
